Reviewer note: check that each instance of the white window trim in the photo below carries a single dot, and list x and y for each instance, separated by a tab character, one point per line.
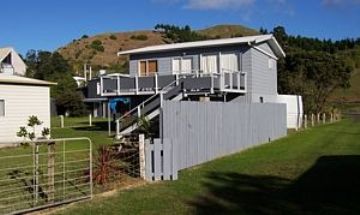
181	62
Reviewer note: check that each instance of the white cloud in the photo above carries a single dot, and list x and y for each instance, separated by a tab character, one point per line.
218	4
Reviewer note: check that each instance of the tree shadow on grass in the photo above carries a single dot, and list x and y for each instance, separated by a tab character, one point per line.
97	126
331	186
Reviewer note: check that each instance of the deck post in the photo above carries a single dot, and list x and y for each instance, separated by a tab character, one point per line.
212	83
136	84
156	83
161	99
118	85
101	86
117	136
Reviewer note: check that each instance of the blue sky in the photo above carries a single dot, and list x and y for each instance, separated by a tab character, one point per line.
49	24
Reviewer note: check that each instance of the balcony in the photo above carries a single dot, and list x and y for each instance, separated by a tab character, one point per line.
195	82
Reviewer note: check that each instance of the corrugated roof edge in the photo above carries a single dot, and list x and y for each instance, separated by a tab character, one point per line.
208	43
12	79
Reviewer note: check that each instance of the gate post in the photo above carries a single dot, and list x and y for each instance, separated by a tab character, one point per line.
51	171
142	155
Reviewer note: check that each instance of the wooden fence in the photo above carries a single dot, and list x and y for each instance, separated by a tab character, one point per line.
197	132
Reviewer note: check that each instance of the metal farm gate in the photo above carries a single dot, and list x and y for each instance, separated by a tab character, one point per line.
45	173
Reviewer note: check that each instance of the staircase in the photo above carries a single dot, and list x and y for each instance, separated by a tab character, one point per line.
150	108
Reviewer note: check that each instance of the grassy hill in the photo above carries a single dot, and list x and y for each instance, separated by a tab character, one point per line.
225	31
100	50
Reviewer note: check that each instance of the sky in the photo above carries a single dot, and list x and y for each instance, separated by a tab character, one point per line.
50	24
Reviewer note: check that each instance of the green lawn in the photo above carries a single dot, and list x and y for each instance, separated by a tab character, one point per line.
312	172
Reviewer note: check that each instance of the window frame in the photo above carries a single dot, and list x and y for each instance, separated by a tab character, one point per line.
147	73
4	107
181	58
238	58
218	61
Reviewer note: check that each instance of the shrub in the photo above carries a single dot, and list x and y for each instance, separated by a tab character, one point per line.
139	37
113	37
97	45
84	36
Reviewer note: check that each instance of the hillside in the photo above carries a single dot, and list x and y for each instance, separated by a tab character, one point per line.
225	31
100	50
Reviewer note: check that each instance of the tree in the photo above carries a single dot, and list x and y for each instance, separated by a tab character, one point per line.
49	66
178	34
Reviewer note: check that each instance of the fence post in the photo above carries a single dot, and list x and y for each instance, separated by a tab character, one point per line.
324	118
142	155
305	121
36	172
90	120
318	118
51	171
62	124
312	120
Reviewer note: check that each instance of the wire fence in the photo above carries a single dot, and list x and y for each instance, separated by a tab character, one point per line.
45	173
73	122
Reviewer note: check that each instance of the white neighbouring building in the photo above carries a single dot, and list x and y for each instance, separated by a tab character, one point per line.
11	63
20	98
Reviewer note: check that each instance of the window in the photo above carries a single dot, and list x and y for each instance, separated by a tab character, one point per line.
230	62
209	63
148	67
182	65
2	107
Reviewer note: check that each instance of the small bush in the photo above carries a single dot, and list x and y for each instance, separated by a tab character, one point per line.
139	37
97	45
84	36
113	37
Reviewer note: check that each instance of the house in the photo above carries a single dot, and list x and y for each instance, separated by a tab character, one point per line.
242	69
20	98
11	63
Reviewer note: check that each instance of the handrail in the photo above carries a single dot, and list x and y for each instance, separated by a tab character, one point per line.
149	99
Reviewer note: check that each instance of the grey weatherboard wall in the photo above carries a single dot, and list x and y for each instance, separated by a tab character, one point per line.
202	131
165	58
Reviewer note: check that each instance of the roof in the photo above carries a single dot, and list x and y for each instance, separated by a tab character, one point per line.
4	52
12	79
211	43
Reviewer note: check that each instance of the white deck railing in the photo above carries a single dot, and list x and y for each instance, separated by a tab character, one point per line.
229	81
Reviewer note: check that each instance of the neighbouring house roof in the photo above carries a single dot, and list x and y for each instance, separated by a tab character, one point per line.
12	79
4	52
253	40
